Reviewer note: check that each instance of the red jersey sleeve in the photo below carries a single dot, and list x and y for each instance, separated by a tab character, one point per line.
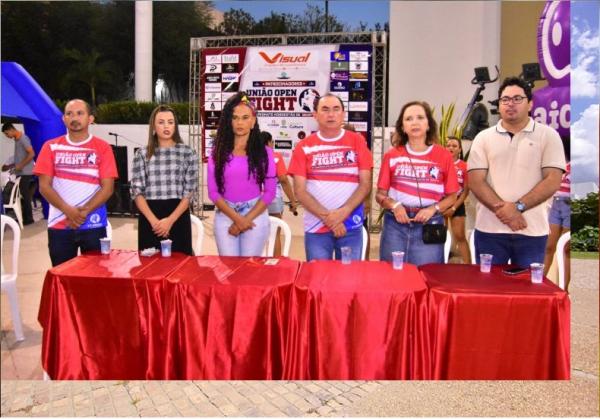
463	165
280	165
107	167
384	180
451	181
44	163
298	161
365	158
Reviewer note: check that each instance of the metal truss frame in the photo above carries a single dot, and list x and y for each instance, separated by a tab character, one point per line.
378	40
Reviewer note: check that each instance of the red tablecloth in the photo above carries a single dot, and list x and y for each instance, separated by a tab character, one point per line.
122	316
496	326
360	321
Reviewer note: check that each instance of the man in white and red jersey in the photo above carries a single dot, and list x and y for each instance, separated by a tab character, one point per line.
76	175
331	170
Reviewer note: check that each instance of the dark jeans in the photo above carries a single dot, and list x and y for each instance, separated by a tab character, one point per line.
63	244
26	196
519	249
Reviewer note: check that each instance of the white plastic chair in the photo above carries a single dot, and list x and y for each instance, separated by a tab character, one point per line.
560	257
287	237
197	223
365	238
447	246
15	202
9	278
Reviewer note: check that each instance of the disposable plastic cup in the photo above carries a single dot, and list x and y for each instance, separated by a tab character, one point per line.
165	248
398	260
485	260
346	255
105	246
537	273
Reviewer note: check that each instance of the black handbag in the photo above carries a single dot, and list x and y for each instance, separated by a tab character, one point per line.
432	233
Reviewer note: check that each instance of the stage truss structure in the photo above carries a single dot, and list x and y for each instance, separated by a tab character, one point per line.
378	41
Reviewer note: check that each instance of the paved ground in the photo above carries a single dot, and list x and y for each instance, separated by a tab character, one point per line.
23	394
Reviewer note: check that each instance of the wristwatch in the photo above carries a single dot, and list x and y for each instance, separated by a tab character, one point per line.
520	206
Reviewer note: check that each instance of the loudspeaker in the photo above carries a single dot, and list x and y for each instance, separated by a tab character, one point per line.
120	152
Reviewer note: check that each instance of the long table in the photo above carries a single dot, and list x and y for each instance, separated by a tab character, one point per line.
123	316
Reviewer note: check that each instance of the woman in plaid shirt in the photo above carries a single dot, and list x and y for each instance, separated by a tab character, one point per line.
241	180
165	175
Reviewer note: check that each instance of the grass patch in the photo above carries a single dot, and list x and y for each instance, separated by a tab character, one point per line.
584	255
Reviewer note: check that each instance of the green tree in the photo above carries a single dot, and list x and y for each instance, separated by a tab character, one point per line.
584	212
237	22
88	68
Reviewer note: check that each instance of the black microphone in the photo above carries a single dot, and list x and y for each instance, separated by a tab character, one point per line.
112	133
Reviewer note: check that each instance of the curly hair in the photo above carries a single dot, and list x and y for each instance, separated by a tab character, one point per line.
258	161
431	137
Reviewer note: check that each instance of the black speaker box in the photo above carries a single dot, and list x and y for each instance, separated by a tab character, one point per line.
120	152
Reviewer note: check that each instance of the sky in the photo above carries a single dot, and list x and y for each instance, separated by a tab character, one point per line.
351	12
585	90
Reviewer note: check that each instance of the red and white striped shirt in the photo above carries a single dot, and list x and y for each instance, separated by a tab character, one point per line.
565	184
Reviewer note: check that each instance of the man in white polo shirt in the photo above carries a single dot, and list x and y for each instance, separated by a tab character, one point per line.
514	169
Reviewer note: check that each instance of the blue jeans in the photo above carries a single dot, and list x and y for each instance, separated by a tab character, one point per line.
519	249
251	242
63	244
323	245
409	239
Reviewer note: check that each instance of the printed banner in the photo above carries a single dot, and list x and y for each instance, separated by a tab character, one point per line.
283	82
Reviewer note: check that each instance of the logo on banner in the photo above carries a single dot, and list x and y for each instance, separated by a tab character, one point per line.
338	56
359	106
213	68
213	59
306	99
281	58
359	65
231	58
283	76
339	75
230	77
212	87
359	56
339	86
213	78
230	68
359	75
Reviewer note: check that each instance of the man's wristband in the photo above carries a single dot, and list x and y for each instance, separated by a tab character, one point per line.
396	205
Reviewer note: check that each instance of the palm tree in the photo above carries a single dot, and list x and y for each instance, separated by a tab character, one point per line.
89	69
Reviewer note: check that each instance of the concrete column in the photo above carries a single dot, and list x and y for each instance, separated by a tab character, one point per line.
143	51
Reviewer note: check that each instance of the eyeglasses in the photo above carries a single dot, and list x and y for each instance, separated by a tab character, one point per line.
505	100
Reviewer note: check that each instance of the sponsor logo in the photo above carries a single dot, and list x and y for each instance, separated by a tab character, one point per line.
358	95
273	124
339	66
357	116
283	144
339	86
434	172
283	123
226	95
359	56
283	134
212	97
213	68
231	87
301	135
359	75
281	58
360	126
212	87
358	85
338	56
359	106
213	59
230	68
306	99
213	78
339	75
231	58
283	76
212	106
342	95
359	65
296	125
229	77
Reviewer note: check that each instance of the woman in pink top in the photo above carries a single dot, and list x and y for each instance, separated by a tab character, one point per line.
241	180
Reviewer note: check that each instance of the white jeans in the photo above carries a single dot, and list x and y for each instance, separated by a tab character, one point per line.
251	242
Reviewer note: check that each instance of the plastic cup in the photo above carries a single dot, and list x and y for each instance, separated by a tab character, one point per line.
165	248
105	246
485	260
537	273
346	255
398	260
